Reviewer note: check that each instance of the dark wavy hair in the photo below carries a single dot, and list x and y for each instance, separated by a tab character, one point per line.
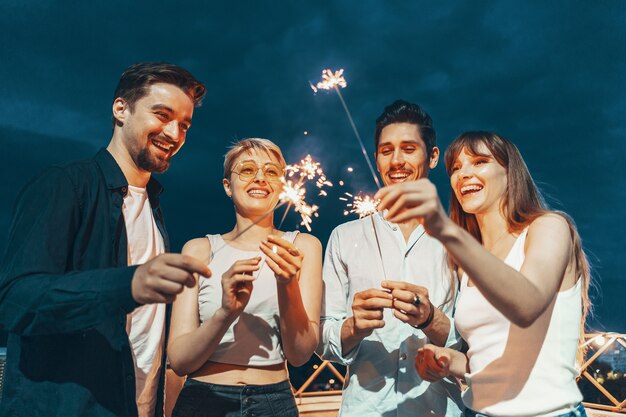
137	78
401	111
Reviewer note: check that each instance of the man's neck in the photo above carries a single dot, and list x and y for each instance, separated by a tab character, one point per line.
408	227
135	176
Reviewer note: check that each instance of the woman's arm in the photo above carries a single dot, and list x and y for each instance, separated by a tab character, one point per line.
191	344
521	296
299	287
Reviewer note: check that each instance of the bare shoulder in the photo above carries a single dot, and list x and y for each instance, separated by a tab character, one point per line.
199	248
550	226
308	242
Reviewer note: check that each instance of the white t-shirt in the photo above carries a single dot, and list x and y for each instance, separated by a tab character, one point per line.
146	324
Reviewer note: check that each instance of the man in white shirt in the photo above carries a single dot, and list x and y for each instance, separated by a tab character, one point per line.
388	290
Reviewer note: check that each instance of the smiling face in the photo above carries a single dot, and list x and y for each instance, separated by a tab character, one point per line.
401	154
155	128
478	181
254	183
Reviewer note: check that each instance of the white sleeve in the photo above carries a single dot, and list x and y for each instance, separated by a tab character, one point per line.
336	306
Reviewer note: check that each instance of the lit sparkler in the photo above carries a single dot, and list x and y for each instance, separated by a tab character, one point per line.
363	205
334	80
294	193
330	80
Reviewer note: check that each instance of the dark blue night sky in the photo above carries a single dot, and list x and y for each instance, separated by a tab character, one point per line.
548	75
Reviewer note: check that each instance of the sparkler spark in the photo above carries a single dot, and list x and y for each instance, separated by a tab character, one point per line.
363	205
334	80
294	192
330	80
309	169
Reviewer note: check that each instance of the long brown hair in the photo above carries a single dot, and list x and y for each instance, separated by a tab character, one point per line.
522	204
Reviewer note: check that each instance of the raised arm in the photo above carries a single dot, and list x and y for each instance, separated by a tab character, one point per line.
298	270
521	296
190	344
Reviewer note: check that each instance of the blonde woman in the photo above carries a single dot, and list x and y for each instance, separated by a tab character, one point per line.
234	332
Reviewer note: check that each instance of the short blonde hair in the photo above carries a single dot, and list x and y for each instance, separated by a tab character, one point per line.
248	145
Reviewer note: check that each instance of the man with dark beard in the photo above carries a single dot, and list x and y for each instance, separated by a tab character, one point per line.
85	279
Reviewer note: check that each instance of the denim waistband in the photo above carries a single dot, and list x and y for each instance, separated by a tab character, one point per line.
243	389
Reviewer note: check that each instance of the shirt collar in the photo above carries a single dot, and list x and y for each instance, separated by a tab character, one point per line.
116	180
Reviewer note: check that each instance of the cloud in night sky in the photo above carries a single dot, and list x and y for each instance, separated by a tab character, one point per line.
549	76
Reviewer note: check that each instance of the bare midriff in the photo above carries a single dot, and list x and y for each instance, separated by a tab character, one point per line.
228	374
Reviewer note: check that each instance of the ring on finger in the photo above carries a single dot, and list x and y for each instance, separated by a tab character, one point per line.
416	300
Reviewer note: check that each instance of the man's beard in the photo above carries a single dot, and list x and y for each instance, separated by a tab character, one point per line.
147	162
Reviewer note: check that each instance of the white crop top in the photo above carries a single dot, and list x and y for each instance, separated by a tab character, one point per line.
516	371
254	337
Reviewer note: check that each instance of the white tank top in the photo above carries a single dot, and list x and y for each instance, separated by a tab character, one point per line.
516	371
254	337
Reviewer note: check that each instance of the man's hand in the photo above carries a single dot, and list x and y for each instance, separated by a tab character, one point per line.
163	277
367	310
410	302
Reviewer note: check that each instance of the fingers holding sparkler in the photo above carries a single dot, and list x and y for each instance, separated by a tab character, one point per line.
414	200
283	257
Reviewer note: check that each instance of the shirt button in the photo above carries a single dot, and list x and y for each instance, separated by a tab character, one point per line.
124	189
403	356
129	377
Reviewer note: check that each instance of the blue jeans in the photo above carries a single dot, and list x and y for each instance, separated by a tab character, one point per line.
201	399
579	411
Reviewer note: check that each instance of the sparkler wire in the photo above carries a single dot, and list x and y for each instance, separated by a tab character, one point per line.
380	252
356	133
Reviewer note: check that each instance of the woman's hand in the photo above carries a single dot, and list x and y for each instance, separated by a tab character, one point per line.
237	285
283	258
432	363
414	200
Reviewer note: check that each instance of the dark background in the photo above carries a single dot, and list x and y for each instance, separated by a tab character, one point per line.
547	75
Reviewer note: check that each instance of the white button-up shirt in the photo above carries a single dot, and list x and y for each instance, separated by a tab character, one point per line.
382	380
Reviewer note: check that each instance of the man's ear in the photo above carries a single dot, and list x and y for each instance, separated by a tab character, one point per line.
227	189
434	157
120	111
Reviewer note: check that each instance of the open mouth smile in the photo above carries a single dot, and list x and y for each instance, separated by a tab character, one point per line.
470	189
399	176
258	193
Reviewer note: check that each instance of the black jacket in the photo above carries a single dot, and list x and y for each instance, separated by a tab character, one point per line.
65	291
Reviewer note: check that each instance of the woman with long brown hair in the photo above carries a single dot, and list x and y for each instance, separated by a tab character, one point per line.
524	280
